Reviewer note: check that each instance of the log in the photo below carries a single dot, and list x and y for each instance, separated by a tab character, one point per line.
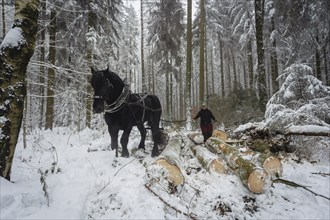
196	138
268	162
222	135
168	161
210	161
308	130
252	176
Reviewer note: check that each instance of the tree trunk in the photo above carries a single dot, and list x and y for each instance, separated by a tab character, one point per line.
327	75
92	21
250	64
188	95
274	60
42	60
259	21
222	74
144	88
234	71
202	52
3	18
14	58
318	59
51	72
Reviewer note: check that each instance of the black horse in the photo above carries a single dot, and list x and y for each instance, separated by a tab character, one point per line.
123	110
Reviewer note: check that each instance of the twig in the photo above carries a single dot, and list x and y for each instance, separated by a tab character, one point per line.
322	174
166	203
115	175
293	184
92	166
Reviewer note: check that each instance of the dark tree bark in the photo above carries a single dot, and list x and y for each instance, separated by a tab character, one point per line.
274	60
259	19
14	58
51	72
201	52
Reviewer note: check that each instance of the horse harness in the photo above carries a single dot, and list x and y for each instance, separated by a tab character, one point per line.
122	100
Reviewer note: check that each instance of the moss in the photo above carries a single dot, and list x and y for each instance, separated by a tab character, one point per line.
260	146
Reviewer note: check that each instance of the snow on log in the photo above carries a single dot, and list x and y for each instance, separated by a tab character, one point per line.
196	137
251	174
208	160
308	130
167	166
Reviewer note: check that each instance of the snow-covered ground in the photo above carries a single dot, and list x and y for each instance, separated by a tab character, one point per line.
81	179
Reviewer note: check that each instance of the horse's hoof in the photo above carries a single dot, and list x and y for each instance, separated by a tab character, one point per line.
123	154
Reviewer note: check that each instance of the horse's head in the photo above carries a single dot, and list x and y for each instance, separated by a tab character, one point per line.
107	87
102	89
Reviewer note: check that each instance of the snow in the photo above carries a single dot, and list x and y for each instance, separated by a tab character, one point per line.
309	129
13	38
84	180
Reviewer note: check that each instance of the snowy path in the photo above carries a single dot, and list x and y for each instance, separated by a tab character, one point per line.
96	185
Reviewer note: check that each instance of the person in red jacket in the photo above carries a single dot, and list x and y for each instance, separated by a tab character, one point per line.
206	118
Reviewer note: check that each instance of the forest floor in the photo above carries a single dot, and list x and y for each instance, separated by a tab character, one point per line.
66	175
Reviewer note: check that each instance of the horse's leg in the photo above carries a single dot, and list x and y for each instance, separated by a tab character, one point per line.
124	141
143	133
114	139
156	136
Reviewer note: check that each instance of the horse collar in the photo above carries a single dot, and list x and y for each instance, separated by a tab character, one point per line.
119	103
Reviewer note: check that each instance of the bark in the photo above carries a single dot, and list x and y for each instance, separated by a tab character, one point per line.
3	18
169	160
318	59
144	88
259	21
274	60
250	64
92	20
202	52
42	58
222	74
14	58
51	72
252	168
210	161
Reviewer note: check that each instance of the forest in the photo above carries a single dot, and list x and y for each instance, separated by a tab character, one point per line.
261	66
228	54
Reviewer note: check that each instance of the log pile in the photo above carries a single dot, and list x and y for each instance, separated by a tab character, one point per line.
253	168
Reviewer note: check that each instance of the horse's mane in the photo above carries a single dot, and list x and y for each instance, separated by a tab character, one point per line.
114	78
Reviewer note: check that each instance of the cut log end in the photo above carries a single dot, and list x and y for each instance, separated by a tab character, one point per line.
217	167
220	134
257	180
174	174
273	166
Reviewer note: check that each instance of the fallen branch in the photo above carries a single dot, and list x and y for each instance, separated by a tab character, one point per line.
322	174
169	205
293	184
114	176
